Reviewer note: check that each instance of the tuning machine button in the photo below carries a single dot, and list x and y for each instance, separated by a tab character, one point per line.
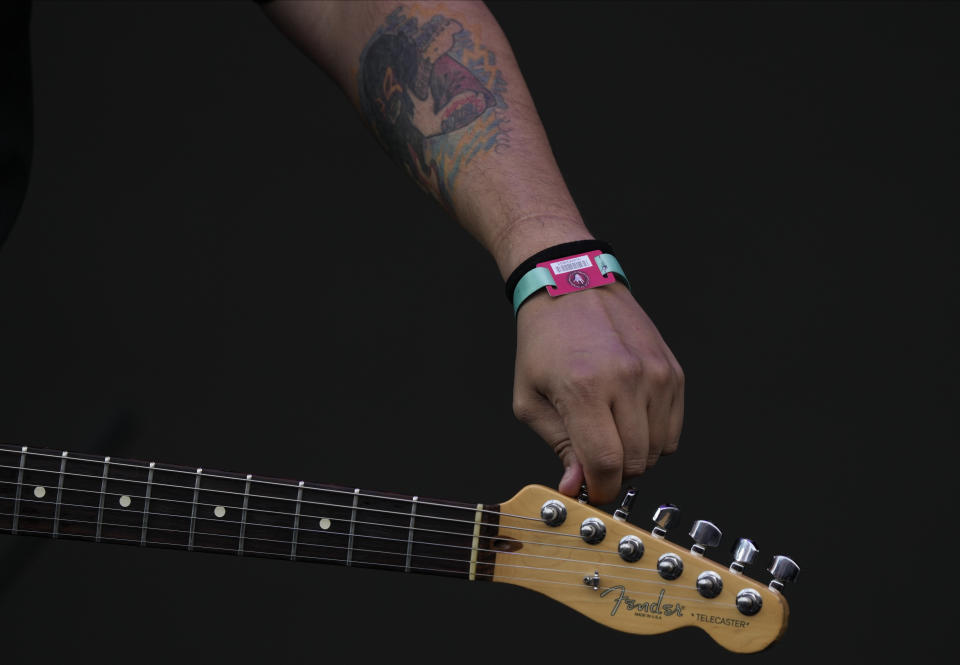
783	569
592	530
709	584
553	513
630	548
749	602
744	553
705	534
623	512
583	496
663	517
670	566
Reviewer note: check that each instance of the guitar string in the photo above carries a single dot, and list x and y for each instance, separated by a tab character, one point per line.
187	472
694	600
292	500
291	487
404	527
593	564
271	555
303	529
286	514
471	522
658	582
322	489
307	530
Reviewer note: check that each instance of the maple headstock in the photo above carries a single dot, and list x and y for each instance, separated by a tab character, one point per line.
599	581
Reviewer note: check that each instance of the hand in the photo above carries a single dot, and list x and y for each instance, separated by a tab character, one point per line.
597	382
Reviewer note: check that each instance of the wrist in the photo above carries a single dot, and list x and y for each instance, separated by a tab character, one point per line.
564	269
524	237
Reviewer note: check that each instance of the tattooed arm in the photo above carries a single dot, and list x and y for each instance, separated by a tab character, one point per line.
441	90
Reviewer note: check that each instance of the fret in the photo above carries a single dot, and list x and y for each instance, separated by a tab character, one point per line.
382	527
56	510
353	524
413	517
193	510
171	505
12	461
270	517
243	515
16	511
103	489
296	523
124	506
80	496
146	505
324	524
444	538
37	502
220	497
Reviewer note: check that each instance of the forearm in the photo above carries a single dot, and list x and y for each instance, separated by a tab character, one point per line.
439	86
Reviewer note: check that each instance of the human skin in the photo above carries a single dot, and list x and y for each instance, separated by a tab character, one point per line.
593	376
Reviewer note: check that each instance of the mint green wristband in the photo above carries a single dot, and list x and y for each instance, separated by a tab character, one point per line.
540	277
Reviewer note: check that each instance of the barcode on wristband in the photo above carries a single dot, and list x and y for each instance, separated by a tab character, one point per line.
576	263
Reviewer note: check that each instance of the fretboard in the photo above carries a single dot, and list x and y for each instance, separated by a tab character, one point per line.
78	496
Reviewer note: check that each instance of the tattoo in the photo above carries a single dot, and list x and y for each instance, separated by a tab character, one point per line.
433	96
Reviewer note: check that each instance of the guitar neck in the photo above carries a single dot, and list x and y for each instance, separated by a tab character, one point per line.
83	497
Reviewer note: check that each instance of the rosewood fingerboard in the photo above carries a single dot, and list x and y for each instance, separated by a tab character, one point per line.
84	497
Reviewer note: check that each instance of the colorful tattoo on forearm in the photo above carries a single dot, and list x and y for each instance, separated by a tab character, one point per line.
433	95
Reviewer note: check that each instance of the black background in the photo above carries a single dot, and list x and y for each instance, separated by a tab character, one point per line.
217	266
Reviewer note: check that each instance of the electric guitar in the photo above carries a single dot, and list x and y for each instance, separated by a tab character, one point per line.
600	565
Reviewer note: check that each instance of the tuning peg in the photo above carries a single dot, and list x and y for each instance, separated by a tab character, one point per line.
623	512
663	517
553	513
705	534
744	553
783	569
583	497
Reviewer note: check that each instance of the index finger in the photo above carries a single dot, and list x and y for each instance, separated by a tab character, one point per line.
596	441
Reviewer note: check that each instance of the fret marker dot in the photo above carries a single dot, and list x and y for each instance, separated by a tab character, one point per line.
325	523
219	511
39	491
125	501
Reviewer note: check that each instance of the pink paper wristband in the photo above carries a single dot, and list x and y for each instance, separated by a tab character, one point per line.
569	274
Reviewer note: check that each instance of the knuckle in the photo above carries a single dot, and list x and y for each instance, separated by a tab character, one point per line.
634	467
629	369
607	463
523	410
660	373
562	447
681	377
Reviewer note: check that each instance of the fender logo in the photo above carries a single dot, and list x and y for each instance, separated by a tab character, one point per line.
657	607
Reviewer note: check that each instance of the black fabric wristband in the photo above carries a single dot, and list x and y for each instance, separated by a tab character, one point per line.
555	252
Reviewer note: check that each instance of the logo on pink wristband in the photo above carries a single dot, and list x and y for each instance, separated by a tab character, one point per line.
578	279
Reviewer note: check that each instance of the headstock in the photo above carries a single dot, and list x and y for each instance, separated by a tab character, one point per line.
633	580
